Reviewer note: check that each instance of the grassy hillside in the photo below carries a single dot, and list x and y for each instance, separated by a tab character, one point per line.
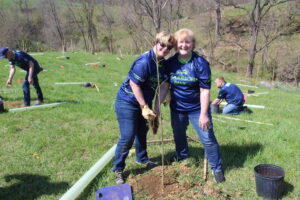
45	151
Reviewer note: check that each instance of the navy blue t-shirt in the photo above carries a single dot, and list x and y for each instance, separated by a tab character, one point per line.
232	94
143	72
186	79
22	60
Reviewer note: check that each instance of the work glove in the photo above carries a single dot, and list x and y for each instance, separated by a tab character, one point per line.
154	124
148	113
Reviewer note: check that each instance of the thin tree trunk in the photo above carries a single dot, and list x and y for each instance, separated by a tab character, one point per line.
255	23
57	24
252	54
79	26
218	19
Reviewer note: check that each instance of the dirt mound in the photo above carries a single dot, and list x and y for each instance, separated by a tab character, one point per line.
179	183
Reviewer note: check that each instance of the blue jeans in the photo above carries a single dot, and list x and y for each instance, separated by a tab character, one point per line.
133	128
26	88
231	109
180	122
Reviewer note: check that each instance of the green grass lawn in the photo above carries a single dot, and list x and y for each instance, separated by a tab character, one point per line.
43	152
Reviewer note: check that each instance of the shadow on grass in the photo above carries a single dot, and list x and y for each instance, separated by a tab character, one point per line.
287	188
233	155
29	187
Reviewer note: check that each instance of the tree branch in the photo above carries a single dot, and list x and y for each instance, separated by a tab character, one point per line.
272	40
234	43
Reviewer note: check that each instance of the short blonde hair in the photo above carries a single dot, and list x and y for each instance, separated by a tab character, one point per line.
184	33
164	37
221	78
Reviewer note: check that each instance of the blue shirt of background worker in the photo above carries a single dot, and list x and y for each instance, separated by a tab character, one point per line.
27	63
186	78
143	72
232	94
22	60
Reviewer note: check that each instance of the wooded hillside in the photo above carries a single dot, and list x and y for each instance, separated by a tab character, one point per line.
258	38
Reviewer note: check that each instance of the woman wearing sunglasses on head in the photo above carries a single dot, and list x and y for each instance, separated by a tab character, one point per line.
134	101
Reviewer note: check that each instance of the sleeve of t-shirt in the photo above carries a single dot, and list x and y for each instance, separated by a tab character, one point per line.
203	73
221	94
11	62
139	72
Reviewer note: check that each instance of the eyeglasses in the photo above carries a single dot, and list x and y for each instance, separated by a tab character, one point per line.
163	45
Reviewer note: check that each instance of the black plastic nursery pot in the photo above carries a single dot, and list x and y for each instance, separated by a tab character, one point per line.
269	181
214	108
1	106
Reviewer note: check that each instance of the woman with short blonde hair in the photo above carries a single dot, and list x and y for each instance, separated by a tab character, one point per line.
190	79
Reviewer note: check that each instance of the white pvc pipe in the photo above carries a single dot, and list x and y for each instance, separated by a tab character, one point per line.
248	105
70	83
35	107
92	63
247	120
81	184
251	86
257	94
7	90
254	106
36	54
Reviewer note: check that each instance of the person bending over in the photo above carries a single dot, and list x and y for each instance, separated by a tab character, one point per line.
30	65
232	94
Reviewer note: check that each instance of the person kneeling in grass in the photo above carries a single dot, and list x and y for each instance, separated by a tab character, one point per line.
232	94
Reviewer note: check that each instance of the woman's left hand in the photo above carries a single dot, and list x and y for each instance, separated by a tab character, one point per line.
204	122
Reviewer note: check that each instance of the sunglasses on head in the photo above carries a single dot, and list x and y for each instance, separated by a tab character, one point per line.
163	45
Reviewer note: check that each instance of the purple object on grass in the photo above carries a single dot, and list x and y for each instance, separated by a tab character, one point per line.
115	192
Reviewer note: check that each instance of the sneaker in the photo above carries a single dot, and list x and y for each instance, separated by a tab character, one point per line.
148	164
38	102
119	177
219	177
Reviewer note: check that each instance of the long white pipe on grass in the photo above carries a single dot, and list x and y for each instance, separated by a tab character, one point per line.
257	94
70	83
251	86
92	63
7	90
36	54
36	107
237	119
248	105
81	184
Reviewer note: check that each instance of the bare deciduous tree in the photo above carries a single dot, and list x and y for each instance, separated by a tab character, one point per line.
52	9
79	23
259	11
153	9
172	15
88	9
218	18
108	21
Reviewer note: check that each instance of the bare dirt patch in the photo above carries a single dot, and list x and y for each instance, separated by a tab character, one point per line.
14	104
179	183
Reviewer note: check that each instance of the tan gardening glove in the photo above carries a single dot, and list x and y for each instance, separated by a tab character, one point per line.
148	113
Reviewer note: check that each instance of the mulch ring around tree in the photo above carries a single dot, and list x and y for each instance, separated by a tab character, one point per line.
14	104
179	183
